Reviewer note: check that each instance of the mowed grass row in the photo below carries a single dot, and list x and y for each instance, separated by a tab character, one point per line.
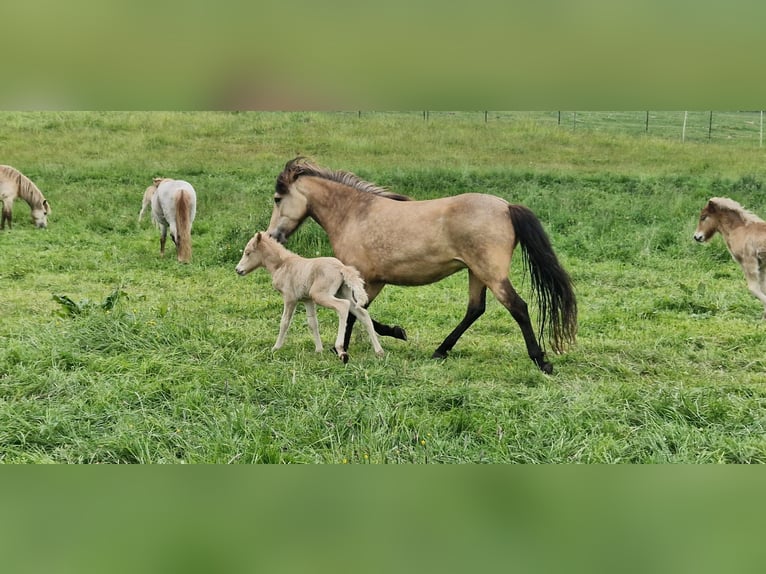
176	365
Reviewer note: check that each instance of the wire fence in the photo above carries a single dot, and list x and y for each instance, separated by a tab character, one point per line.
695	126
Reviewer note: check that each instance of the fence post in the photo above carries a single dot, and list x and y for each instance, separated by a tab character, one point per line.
647	123
710	126
760	141
683	131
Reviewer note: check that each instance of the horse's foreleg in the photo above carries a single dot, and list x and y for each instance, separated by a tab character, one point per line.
756	278
287	316
477	302
7	216
395	331
507	295
311	319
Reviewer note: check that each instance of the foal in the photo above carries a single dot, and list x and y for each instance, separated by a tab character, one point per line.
322	280
745	236
146	202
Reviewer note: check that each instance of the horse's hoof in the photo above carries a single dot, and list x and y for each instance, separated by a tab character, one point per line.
343	357
547	368
400	333
439	354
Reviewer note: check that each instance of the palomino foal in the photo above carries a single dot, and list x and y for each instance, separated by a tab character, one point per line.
745	236
321	280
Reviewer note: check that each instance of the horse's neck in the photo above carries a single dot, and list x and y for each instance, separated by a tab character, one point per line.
730	221
28	191
330	203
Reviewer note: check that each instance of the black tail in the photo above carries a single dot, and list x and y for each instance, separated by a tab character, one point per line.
552	285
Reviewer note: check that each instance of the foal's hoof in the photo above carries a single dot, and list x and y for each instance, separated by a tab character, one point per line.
342	355
438	354
399	333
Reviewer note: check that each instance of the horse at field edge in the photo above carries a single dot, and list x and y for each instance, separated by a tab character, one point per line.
14	184
174	206
321	280
744	234
391	238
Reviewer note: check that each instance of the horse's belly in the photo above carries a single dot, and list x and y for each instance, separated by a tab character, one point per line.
417	273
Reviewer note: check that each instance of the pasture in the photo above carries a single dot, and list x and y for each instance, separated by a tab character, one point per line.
111	354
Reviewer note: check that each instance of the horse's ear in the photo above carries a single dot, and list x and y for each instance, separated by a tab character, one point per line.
711	206
258	238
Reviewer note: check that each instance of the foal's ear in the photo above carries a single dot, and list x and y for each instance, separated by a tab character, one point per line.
257	238
711	206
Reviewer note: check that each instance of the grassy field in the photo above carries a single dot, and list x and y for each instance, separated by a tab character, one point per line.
156	362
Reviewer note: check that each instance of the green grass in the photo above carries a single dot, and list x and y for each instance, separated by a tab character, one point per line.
109	353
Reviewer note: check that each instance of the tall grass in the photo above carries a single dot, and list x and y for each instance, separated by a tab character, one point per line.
177	367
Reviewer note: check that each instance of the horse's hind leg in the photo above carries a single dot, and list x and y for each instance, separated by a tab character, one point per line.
341	307
311	319
507	295
477	302
163	238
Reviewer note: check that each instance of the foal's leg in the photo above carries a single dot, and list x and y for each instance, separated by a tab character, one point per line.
311	318
507	295
287	317
477	302
362	314
341	307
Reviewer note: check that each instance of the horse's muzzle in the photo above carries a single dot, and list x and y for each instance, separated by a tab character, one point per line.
699	238
279	236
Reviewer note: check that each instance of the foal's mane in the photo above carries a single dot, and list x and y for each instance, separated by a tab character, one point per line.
27	190
301	166
726	204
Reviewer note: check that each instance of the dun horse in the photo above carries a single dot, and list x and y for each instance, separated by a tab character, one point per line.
146	202
14	184
745	236
322	280
174	206
392	239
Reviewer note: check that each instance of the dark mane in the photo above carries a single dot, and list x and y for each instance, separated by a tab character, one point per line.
301	166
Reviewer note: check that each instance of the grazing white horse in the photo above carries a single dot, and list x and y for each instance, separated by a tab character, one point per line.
325	281
15	184
174	206
146	203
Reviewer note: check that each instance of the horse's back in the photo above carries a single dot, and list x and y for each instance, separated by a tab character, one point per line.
164	199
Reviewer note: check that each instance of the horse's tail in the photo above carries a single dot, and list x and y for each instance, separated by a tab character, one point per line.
552	285
183	226
354	281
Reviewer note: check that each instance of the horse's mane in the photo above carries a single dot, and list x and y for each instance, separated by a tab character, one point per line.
301	166
726	204
27	190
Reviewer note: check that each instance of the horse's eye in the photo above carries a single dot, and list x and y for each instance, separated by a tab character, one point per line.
703	218
277	200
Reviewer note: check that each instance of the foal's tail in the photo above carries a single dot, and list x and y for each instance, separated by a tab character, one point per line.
551	283
183	226
354	281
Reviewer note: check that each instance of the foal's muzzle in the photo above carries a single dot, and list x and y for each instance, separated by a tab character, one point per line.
699	238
